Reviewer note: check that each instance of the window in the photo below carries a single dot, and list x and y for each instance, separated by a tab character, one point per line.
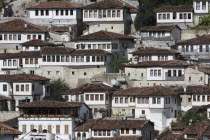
203	98
14	63
24	129
27	87
47	12
66	129
104	132
19	37
190	78
49	129
194	98
169	73
96	97
9	62
134	130
14	37
36	60
151	73
66	12
143	112
36	13
92	97
40	37
57	58
32	127
61	12
42	12
174	15
72	73
189	15
122	130
48	58
101	97
200	48
31	61
57	12
207	48
71	12
126	100
67	58
174	73
208	98
62	58
109	13
153	100
180	16
91	14
168	16
17	88
198	98
48	72
44	58
204	5
95	133
179	73
57	129
5	37
87	97
4	87
22	87
34	37
127	130
158	100
31	71
118	13
159	73
108	132
10	37
198	5
85	14
1	37
113	13
100	132
93	59
121	100
40	128
28	37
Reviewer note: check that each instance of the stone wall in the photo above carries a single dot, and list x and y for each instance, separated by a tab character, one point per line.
193	33
7	115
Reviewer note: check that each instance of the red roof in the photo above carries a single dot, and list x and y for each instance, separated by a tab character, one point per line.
47	50
22	77
154	51
56	5
3	98
90	52
7	130
180	8
204	39
103	35
37	43
19	25
22	54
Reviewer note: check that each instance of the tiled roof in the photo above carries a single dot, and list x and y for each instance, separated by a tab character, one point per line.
159	28
48	50
22	77
37	43
86	126
22	54
193	90
171	63
119	138
12	122
56	5
103	35
181	8
204	39
19	25
7	130
51	104
147	91
154	51
90	52
90	87
197	109
3	98
109	4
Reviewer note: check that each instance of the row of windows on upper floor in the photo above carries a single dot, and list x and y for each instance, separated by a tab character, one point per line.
175	17
154	34
102	13
58	12
22	87
141	100
49	129
190	48
95	97
149	58
203	98
171	73
202	5
18	37
98	46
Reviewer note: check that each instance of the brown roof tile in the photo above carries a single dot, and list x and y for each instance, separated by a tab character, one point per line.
159	28
108	4
103	35
51	104
12	122
154	51
37	43
90	87
193	90
86	126
204	39
7	130
197	109
119	138
171	63
19	25
48	50
147	91
181	8
56	5
22	77
22	54
3	98
90	52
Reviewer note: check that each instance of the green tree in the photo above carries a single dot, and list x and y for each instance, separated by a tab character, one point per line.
57	88
118	64
205	21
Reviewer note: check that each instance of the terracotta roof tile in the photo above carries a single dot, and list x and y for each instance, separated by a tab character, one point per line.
51	104
86	126
19	25
193	90
48	50
171	63
90	87
37	43
108	4
197	109
56	5
103	35
154	51
7	130
90	52
3	98
159	28
22	77
22	54
147	91
204	39
12	122
181	8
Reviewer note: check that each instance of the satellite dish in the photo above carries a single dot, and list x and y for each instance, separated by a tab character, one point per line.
113	82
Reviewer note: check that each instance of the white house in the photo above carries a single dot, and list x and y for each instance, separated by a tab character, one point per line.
195	49
181	15
201	8
56	13
15	32
160	36
157	104
24	87
51	120
117	44
7	132
96	95
115	129
109	15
